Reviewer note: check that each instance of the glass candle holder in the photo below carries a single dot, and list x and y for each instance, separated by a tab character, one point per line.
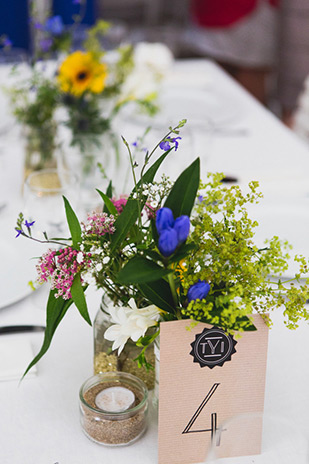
113	408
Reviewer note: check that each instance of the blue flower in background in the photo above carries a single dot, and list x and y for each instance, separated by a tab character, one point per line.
7	42
54	25
46	44
168	242
164	219
198	291
18	232
182	227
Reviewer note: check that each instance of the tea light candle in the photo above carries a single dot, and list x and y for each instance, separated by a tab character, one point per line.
115	399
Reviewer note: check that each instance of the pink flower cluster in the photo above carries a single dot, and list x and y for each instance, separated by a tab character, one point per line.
120	203
99	224
61	267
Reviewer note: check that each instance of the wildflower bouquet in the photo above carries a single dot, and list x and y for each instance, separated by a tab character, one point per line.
83	90
168	251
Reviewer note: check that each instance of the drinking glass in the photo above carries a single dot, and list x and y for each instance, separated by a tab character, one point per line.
43	200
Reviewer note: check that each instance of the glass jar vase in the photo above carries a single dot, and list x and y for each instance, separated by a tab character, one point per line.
40	148
93	160
107	360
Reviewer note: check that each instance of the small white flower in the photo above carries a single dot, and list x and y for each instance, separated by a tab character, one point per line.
130	322
79	257
99	267
106	260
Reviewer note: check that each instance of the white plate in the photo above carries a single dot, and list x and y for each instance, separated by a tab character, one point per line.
17	266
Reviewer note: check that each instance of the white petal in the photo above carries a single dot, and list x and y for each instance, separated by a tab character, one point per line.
132	304
112	333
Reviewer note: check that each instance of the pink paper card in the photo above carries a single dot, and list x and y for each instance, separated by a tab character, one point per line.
206	378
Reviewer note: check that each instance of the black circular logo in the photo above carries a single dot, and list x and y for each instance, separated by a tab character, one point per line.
213	347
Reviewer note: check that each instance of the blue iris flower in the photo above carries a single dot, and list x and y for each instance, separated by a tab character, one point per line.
182	227
168	241
164	219
171	233
198	291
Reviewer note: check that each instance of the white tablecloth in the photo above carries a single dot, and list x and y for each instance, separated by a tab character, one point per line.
39	419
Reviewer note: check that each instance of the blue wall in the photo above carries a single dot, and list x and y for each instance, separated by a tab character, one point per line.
14	22
66	9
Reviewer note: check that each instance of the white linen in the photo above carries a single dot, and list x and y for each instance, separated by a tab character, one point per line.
15	355
39	421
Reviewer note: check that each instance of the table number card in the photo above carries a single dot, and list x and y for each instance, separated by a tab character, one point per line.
206	378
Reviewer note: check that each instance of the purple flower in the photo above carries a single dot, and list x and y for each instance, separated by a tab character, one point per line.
168	242
176	143
198	291
19	231
54	25
165	145
164	219
45	44
7	42
37	25
200	198
29	224
134	144
182	227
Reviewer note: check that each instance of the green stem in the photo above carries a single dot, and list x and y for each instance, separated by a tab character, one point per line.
174	294
135	183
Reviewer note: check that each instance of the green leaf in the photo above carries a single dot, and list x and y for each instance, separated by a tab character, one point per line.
123	223
55	311
141	270
183	251
74	225
109	190
250	327
153	255
159	294
108	204
79	299
182	196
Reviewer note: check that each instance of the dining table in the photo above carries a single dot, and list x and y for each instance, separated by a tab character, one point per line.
232	133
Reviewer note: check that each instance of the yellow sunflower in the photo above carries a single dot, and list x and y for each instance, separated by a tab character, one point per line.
80	72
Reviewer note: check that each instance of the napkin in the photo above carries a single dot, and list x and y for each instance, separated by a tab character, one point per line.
15	355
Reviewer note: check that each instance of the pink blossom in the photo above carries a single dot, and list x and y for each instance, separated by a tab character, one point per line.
61	267
99	224
120	203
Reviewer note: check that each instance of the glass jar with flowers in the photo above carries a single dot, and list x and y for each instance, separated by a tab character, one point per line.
34	103
192	256
67	109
